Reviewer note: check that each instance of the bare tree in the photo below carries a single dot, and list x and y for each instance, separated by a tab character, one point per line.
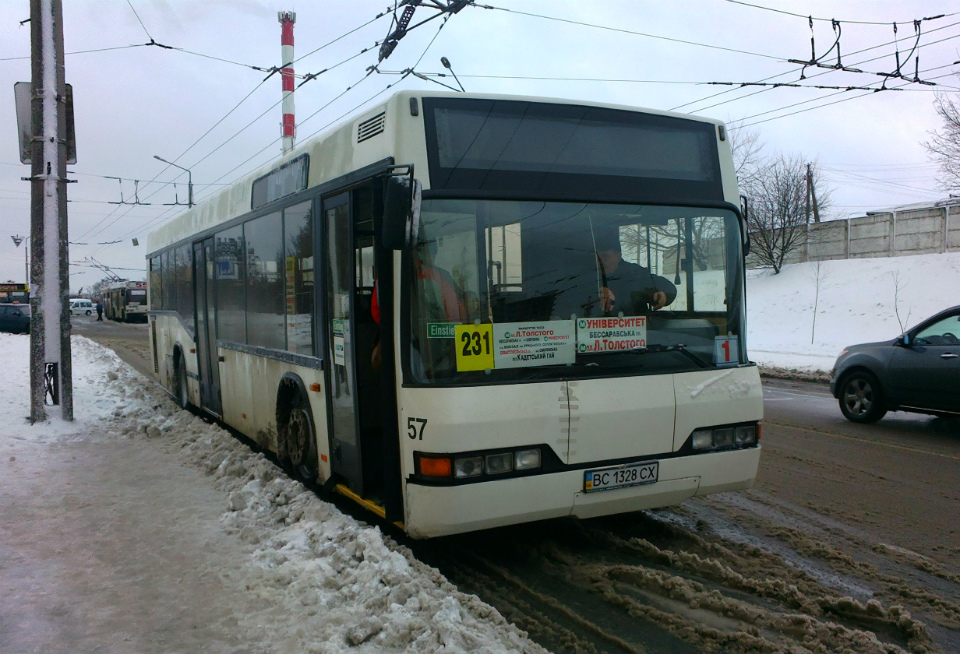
747	149
819	275
778	219
898	286
944	145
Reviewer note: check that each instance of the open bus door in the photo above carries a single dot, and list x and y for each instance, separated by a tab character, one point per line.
362	413
345	445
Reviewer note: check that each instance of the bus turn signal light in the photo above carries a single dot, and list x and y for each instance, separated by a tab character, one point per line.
436	466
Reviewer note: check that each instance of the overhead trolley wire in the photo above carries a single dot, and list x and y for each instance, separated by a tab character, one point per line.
194	164
166	168
272	143
796	70
828	95
385	12
828	20
826	72
862	95
632	32
370	71
874	180
244	99
149	36
615	80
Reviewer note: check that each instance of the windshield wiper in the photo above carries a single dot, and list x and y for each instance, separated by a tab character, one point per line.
679	347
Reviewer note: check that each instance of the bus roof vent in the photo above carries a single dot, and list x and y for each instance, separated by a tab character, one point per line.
371	127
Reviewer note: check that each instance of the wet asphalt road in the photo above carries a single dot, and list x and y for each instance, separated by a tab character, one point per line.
811	407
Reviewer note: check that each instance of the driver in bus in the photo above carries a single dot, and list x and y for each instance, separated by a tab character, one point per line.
626	286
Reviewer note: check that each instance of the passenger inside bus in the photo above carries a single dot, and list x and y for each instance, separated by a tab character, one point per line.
625	286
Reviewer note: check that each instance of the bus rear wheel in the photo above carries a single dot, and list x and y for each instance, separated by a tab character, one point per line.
301	442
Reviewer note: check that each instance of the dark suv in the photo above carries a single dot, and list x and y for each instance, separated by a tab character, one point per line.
918	371
15	318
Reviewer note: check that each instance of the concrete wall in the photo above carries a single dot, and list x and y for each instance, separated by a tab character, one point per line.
918	231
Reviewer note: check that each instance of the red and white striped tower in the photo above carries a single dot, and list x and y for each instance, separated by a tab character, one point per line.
287	19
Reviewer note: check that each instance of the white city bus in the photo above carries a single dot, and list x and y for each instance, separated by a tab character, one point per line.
465	311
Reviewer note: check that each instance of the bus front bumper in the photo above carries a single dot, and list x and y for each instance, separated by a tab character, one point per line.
443	510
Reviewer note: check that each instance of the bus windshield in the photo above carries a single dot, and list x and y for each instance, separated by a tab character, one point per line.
517	290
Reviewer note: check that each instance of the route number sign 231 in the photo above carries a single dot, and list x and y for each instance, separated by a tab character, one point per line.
474	347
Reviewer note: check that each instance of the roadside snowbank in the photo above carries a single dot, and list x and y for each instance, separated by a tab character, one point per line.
859	301
321	580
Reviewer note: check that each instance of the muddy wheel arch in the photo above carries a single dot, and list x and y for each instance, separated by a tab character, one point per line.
292	395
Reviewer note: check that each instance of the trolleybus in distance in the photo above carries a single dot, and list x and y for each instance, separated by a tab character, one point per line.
126	301
15	293
466	311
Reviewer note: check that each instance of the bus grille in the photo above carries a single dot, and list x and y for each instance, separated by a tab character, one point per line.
371	127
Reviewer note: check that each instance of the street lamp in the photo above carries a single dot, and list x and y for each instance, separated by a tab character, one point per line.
17	240
446	64
189	179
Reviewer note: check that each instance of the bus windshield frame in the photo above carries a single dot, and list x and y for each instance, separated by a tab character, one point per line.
560	290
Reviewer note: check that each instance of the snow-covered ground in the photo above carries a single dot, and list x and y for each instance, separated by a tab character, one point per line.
303	576
859	302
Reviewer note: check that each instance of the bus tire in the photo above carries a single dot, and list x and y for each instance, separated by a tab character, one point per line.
183	393
300	439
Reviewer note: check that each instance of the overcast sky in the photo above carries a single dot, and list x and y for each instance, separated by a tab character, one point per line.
134	103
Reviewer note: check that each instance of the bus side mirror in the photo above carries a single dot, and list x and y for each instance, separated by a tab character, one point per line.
401	212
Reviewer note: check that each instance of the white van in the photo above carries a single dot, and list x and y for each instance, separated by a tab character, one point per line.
81	306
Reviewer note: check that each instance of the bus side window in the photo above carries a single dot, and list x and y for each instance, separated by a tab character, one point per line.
298	270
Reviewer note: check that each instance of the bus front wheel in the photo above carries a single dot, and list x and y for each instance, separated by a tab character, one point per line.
300	440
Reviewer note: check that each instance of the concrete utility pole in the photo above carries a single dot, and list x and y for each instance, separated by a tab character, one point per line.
811	193
50	363
289	133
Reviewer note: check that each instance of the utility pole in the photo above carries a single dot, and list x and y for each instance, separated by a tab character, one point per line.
812	193
50	361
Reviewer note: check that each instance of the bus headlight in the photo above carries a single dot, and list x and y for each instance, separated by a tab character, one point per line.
471	466
702	439
477	466
527	459
746	435
498	464
725	438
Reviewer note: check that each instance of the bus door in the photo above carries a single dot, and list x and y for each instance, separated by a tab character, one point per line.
341	372
204	267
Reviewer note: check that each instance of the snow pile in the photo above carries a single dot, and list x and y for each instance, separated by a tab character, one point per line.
92	398
859	302
323	582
